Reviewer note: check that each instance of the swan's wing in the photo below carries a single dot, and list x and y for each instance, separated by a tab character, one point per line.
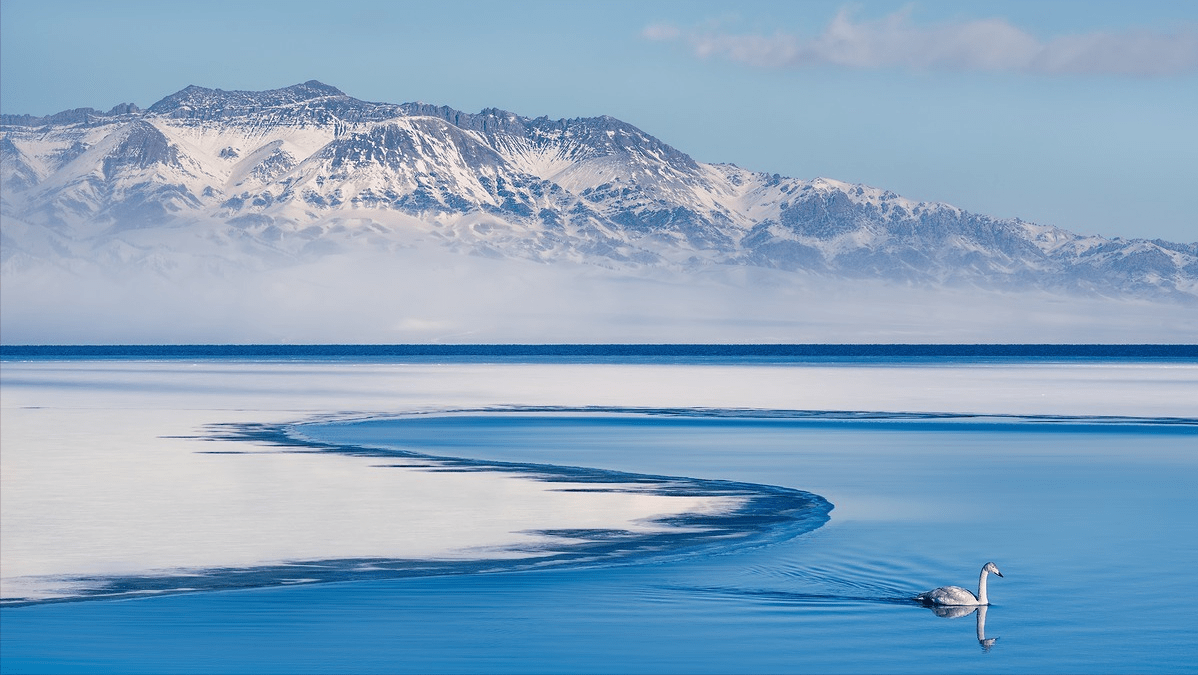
949	595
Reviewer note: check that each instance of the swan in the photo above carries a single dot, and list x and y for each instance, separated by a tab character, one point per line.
957	596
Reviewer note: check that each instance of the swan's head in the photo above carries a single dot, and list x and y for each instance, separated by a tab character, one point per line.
991	568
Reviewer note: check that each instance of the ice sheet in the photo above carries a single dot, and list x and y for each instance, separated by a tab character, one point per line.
102	473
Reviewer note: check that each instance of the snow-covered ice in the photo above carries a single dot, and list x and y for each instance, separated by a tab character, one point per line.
103	473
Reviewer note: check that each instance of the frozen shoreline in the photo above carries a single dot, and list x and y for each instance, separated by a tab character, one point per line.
103	473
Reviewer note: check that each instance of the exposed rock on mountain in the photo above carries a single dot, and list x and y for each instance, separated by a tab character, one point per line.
244	179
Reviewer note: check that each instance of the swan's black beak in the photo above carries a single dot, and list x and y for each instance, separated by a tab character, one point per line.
999	573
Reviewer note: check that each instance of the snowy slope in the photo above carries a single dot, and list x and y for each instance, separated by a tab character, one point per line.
252	179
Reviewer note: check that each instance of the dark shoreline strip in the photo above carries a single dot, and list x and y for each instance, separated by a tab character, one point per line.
621	353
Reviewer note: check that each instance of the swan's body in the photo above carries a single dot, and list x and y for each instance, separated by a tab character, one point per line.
956	596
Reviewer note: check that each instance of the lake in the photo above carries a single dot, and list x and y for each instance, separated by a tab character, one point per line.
453	513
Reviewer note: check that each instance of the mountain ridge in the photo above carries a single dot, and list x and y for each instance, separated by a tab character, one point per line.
307	170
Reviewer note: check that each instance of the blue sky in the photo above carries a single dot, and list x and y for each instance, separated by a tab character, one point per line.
1076	114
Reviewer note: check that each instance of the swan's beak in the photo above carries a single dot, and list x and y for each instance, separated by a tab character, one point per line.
998	573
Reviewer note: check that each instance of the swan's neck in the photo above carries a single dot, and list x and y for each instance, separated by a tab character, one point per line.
982	600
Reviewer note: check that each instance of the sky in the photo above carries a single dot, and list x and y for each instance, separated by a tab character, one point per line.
1074	114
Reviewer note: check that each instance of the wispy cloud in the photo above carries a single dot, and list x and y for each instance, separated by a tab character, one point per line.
994	45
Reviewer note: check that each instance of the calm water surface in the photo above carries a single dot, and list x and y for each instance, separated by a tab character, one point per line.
1093	525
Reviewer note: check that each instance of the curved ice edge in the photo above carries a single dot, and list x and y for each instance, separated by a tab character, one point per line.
780	414
783	414
766	514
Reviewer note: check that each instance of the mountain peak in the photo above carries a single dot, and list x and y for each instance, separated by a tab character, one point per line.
203	103
316	88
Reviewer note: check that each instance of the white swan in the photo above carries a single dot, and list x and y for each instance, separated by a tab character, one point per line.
957	596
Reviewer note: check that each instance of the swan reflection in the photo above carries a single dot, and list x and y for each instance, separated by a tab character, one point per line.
958	611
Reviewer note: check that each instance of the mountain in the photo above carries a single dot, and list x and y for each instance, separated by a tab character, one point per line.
217	180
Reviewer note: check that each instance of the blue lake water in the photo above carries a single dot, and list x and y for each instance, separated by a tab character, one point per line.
1093	520
1094	523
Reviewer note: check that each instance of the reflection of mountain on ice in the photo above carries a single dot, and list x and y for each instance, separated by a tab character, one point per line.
309	188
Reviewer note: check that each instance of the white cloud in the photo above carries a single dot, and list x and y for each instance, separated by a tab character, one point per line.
994	45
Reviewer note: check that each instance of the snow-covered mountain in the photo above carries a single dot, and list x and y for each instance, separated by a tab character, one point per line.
219	180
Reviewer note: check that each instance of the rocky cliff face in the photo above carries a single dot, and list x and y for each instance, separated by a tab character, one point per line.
253	178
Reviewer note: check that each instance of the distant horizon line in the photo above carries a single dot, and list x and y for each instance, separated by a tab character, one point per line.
610	350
